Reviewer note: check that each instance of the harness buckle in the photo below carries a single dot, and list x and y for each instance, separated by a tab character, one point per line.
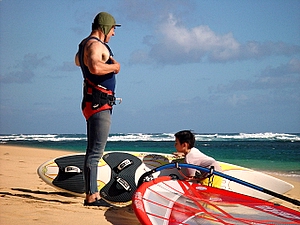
119	99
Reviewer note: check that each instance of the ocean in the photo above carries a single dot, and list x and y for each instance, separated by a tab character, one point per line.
277	153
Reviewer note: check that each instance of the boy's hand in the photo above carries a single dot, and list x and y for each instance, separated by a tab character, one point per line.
178	154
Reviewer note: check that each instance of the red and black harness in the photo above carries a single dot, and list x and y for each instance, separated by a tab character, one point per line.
96	98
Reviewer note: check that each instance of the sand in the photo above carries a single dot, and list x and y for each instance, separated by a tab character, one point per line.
25	199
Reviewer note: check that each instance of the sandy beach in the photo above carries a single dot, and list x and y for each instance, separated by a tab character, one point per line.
26	199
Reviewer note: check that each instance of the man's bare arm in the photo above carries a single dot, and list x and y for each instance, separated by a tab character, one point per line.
77	60
96	56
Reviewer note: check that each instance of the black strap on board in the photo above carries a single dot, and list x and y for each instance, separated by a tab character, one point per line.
122	184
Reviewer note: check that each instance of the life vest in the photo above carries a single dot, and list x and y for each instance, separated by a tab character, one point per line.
96	98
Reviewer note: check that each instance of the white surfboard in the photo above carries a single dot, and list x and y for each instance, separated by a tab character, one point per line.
253	177
68	176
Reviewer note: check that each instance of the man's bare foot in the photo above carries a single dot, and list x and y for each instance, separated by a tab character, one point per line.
92	197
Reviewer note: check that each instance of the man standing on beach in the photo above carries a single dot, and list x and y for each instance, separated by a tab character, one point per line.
99	69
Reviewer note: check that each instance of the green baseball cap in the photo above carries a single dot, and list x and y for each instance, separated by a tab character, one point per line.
105	22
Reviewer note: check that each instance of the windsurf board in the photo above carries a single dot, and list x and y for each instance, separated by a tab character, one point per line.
66	173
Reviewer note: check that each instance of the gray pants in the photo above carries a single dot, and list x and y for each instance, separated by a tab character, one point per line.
98	126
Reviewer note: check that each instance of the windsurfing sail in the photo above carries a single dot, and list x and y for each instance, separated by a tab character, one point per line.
211	171
169	201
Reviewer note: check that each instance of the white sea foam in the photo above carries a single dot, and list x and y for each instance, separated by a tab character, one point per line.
291	174
154	137
268	151
38	137
268	136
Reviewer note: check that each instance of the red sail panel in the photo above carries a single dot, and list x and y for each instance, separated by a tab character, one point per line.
171	202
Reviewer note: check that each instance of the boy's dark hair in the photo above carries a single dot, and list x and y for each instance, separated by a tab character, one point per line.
186	136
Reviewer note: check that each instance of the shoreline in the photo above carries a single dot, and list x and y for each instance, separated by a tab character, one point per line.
27	199
272	172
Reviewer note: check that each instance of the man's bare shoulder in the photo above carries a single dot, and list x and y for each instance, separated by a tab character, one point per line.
96	50
94	44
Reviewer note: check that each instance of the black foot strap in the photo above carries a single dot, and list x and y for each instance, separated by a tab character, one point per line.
70	176
122	184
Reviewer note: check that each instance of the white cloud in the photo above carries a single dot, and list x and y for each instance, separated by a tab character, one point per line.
292	67
283	77
24	70
236	99
198	38
178	44
67	67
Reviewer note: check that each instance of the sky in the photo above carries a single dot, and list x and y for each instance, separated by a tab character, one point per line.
209	66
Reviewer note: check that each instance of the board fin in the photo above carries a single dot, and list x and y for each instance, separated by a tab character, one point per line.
122	184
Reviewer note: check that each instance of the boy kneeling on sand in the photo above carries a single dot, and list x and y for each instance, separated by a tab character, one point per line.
184	144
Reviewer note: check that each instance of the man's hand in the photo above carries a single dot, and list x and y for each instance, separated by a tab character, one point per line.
115	63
